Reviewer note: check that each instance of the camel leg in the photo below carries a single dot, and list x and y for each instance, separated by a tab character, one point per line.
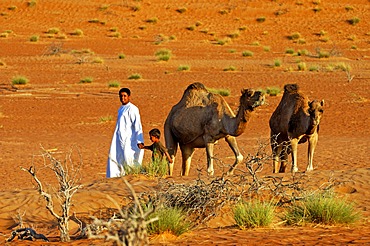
294	146
187	154
284	157
276	151
171	165
238	156
312	142
209	151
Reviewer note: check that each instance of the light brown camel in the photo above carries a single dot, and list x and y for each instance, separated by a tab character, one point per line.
294	121
201	118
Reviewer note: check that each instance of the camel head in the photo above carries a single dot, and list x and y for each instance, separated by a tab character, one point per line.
316	110
251	99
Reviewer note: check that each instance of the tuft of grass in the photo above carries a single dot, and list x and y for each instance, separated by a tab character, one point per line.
135	169
303	52
152	20
324	54
247	53
171	220
230	68
183	68
135	76
113	84
34	38
156	168
53	30
105	119
261	19
121	56
98	60
223	41
86	80
354	21
235	34
255	43
163	54
20	80
322	208
295	36
314	68
181	10
222	92
104	7
277	63
253	214
302	66
77	32
266	48
273	91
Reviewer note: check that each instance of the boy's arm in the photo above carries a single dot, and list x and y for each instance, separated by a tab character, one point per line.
168	157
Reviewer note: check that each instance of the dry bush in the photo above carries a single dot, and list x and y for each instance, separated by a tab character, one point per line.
68	176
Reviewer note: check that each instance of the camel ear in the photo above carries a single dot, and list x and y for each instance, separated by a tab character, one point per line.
249	92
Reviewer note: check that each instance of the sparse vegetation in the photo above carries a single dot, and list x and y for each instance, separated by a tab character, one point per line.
121	56
181	10
230	68
222	92
77	32
152	20
135	76
31	3
113	84
314	68
354	21
277	63
86	80
104	119
247	53
20	80
223	41
156	168
184	68
34	38
98	60
295	36
253	214
163	54
266	48
53	30
322	208
289	51
302	66
261	19
4	35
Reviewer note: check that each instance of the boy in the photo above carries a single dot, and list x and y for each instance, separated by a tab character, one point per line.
159	151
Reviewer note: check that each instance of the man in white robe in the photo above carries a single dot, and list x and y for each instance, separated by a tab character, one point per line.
127	138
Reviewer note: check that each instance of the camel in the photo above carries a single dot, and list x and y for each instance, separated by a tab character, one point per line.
201	118
294	121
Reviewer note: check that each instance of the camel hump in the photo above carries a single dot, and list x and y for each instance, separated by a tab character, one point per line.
291	88
196	86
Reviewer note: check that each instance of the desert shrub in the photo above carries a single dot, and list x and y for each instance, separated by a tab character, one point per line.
121	56
86	80
152	20
277	63
163	54
316	9
31	3
53	30
2	63
104	119
302	66
314	68
156	168
4	35
183	68
303	52
255	43
261	19
295	36
273	91
135	76
230	68
135	8
222	92
321	208
115	35
354	21
113	84
34	38
191	28
181	10
253	214
349	8
289	51
98	60
93	21
247	53
324	54
135	169
266	48
12	8
223	41
103	7
171	220
343	66
77	32
20	80
235	34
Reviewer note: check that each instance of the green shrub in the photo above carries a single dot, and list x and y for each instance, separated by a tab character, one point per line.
171	220
184	68
181	10
104	119
12	8
163	54
247	53
314	68
302	66
273	91
277	63
20	80
302	52
152	20
324	54
222	92
98	60
93	21
230	68
322	208
223	41
235	34
156	168
121	56
113	84
289	51
191	28
31	3
135	76
354	21
53	30
77	32
253	214
261	19
4	35
86	80
266	48
295	36
34	38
